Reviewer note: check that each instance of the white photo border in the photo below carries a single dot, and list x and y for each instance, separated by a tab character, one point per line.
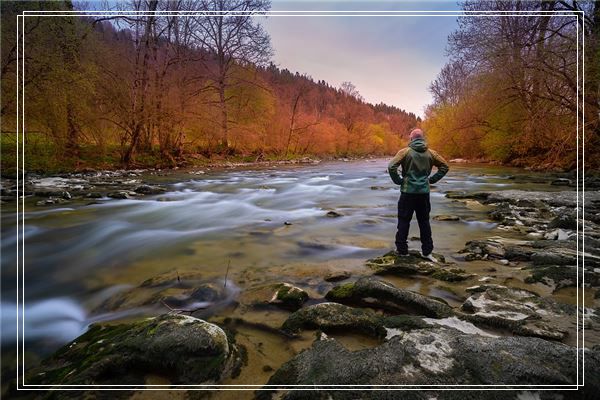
438	13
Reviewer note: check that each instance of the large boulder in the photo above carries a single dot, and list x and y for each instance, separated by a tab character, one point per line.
435	355
181	349
378	294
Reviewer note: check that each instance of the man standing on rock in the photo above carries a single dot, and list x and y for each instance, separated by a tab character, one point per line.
417	162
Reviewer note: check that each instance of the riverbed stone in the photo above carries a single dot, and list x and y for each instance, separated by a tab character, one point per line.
147	189
288	296
564	221
483	249
374	293
335	317
122	195
467	195
336	276
413	264
184	291
521	311
279	294
435	355
182	349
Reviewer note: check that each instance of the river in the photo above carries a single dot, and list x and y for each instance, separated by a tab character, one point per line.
268	224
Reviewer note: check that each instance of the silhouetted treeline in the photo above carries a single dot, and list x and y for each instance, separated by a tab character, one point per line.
509	91
158	88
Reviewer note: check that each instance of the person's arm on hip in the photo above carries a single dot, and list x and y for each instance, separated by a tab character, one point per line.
394	164
441	165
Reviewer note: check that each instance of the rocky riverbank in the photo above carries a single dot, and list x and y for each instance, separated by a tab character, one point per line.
497	331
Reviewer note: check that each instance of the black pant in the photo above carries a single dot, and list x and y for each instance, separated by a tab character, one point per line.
418	203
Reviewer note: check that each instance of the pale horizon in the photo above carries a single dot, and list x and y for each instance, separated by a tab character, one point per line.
389	59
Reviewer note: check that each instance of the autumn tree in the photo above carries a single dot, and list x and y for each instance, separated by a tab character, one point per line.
233	40
509	91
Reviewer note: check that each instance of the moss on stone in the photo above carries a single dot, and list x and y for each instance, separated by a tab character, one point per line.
562	276
342	292
405	322
450	275
290	296
182	348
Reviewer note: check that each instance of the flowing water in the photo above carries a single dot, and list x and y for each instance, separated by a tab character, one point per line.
269	224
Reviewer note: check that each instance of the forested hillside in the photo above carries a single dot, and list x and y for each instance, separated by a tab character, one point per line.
509	91
164	90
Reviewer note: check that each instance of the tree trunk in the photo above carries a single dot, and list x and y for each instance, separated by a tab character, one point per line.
224	140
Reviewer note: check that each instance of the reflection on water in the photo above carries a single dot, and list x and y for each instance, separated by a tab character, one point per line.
257	219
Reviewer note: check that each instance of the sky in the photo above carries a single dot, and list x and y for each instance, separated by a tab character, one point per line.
389	59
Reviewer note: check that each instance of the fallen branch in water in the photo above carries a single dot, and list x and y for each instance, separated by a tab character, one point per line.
184	310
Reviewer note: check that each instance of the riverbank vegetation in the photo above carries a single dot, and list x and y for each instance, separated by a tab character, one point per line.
509	90
161	90
153	89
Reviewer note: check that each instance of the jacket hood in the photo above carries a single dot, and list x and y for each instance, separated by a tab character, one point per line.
418	145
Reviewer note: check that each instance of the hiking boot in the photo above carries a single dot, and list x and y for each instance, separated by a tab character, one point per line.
429	257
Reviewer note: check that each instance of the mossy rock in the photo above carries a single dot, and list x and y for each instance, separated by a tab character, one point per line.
335	317
413	264
288	296
342	293
451	275
405	322
182	349
378	294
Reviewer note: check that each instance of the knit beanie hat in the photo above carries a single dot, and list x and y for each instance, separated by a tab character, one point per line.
416	134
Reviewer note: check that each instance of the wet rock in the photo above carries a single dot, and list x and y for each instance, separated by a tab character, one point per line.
183	291
518	253
555	256
436	355
413	264
404	323
147	189
53	193
446	218
497	248
467	195
94	195
336	276
280	294
182	349
556	276
561	182
333	214
557	234
564	221
518	310
483	249
51	201
335	317
119	195
288	296
378	294
451	274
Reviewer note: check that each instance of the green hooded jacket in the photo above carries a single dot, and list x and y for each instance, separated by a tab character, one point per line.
417	162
